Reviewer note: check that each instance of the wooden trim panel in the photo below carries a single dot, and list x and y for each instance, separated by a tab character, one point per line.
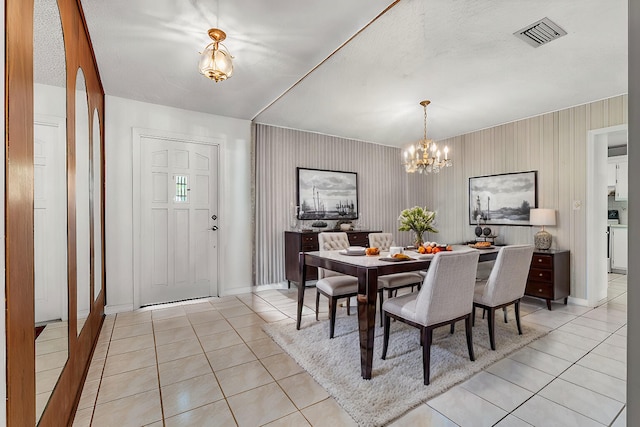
19	194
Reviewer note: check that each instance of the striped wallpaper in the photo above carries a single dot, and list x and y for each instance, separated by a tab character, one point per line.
553	144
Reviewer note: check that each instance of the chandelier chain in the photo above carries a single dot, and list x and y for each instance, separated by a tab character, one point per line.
425	124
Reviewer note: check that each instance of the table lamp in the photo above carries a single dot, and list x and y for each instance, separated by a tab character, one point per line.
542	238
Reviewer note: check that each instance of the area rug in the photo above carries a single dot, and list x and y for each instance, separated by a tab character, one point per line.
397	383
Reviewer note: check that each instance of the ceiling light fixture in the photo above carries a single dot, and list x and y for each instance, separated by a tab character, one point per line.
424	156
215	62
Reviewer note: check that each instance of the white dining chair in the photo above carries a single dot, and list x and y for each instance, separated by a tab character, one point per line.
505	285
391	282
331	284
446	297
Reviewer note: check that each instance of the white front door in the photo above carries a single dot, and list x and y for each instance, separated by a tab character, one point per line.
50	218
178	217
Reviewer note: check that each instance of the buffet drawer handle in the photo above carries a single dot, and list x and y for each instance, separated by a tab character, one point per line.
540	274
539	290
539	260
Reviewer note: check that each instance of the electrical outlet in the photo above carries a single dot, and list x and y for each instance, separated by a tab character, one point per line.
577	205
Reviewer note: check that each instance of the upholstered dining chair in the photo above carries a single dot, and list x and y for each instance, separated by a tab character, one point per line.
446	296
391	282
331	284
505	285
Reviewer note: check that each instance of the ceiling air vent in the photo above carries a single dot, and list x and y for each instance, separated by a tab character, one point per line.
541	32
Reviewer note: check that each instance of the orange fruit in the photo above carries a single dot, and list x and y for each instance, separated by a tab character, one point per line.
422	250
449	248
429	249
436	250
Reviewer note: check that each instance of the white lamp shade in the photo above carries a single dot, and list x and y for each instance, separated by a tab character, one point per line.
542	217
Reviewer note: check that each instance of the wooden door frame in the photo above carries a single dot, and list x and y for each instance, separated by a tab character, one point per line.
137	135
596	274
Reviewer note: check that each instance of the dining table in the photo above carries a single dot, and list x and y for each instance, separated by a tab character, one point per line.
367	269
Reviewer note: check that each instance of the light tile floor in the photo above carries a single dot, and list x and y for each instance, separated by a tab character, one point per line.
208	363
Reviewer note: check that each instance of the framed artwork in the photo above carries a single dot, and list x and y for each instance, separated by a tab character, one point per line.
503	199
327	194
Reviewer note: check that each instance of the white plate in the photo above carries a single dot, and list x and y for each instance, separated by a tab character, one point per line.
482	247
352	253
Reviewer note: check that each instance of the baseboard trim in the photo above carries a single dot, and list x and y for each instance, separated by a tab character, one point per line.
579	301
115	309
278	285
237	291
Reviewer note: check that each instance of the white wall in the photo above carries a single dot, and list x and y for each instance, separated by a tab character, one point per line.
121	116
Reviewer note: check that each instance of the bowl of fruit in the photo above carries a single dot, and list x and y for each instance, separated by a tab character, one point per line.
433	248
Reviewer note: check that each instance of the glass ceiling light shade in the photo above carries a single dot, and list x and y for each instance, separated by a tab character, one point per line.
424	156
215	62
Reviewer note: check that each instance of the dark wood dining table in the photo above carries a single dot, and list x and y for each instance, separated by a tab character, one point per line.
367	269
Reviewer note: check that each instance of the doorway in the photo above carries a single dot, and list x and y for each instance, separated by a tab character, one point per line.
596	212
176	244
50	219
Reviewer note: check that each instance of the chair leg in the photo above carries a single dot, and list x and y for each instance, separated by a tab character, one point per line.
332	311
452	328
468	330
427	335
484	311
389	296
504	310
317	303
385	341
517	310
381	298
349	306
490	323
473	316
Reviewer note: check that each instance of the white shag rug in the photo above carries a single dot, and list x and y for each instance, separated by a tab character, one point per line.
397	383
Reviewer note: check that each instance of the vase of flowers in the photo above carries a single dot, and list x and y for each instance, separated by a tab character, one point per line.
418	220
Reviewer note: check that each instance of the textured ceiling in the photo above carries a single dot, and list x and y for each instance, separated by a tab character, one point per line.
461	55
48	45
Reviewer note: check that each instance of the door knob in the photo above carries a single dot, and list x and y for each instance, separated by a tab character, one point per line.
214	228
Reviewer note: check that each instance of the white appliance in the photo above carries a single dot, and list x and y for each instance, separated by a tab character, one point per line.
613	218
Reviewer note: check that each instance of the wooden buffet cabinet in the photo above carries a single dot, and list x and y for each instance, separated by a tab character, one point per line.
307	241
549	275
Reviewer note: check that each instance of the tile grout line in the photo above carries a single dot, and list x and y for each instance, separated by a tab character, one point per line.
224	396
288	318
155	351
266	369
95	400
556	377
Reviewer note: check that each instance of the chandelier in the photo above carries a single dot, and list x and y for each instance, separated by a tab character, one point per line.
215	63
424	156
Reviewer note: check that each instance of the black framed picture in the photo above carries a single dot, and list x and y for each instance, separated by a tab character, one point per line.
327	194
503	199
